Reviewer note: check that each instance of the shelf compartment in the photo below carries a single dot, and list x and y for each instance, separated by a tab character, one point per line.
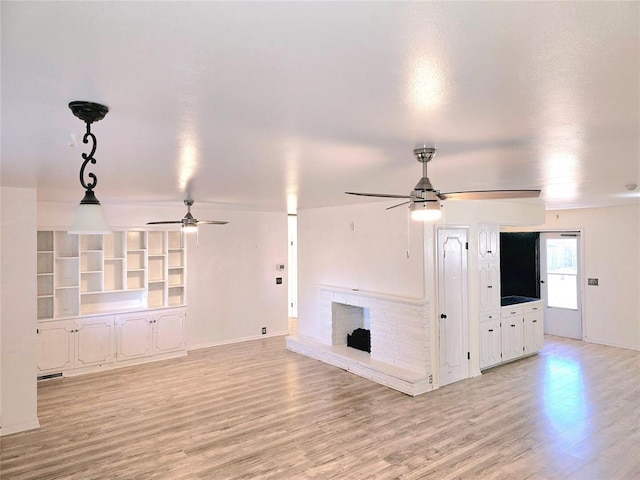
45	307
45	284
45	262
113	245
135	279
91	282
156	244
176	277
90	242
107	302
175	240
66	302
45	241
66	272
66	244
156	268
176	258
136	240
156	295
136	260
91	261
176	296
113	274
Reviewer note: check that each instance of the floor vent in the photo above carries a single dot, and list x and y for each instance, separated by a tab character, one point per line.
50	376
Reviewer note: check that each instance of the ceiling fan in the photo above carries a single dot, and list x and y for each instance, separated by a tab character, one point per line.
424	200
189	224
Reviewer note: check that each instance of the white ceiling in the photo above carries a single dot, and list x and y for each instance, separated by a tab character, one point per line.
252	105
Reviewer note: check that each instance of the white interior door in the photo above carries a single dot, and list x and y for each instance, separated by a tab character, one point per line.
453	322
560	283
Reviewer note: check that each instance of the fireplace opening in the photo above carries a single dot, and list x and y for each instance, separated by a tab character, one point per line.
351	325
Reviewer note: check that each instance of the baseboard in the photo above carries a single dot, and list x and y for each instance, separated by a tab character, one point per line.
21	427
610	344
237	340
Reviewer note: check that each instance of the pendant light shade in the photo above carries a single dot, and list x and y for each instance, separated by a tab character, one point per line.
90	218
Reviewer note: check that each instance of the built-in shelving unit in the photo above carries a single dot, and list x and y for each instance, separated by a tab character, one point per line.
96	274
45	274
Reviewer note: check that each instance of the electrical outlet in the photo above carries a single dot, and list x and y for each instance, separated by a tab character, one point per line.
264	330
592	281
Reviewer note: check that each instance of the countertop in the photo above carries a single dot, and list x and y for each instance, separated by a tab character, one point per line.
514	299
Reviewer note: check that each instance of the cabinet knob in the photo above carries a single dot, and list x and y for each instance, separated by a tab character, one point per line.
491	329
443	315
489	251
513	325
535	321
489	286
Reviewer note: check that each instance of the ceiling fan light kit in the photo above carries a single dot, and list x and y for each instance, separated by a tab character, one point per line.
425	211
90	218
424	200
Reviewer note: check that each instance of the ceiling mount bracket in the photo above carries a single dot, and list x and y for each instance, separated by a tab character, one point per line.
89	112
424	154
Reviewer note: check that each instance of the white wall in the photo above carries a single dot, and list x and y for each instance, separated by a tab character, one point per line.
231	283
372	256
18	309
231	270
611	239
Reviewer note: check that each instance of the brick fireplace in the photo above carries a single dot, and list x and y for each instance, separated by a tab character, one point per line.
400	337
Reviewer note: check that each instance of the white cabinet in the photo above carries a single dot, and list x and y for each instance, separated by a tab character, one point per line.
55	347
134	333
489	294
489	242
73	344
490	339
169	333
145	334
522	330
533	328
512	333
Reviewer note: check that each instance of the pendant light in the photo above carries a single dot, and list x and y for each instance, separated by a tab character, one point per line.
90	217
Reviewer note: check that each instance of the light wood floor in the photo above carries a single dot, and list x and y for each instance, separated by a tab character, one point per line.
255	410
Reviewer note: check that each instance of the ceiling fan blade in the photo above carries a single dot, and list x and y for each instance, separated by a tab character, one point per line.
489	194
381	195
165	223
398	205
210	222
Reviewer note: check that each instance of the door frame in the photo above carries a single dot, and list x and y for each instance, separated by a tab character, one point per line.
436	369
581	270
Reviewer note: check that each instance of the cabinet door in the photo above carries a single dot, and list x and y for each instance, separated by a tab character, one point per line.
169	331
490	343
488	243
489	286
134	335
512	338
94	341
533	332
55	347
